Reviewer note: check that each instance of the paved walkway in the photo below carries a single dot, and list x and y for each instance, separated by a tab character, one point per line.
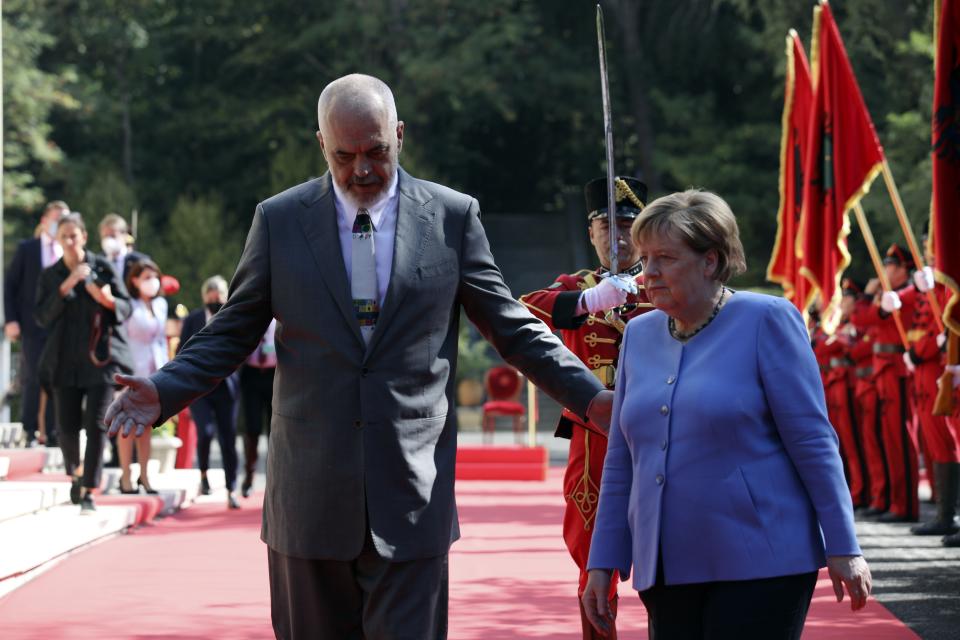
202	574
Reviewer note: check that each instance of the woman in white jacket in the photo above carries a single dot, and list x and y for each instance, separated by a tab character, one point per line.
148	348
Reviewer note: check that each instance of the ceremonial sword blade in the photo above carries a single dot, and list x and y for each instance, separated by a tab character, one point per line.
608	139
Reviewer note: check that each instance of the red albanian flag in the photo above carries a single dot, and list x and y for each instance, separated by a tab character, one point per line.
946	159
843	158
784	268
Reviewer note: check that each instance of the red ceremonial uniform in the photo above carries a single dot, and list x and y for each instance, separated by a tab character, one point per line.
928	359
890	377
868	418
818	340
838	388
595	338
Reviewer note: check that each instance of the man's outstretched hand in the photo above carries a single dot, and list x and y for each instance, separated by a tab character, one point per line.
135	410
600	410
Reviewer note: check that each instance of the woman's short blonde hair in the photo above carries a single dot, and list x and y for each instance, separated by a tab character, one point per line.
703	220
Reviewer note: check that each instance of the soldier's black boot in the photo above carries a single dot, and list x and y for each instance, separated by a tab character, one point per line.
945	477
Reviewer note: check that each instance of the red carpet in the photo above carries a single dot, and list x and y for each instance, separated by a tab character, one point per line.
511	576
203	574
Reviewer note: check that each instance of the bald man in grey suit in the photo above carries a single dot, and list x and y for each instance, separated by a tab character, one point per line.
359	512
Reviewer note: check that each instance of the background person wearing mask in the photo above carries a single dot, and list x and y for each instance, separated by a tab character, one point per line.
215	414
115	240
83	305
19	299
148	350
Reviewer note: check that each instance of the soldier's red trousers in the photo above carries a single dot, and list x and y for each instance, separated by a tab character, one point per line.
871	433
899	447
941	440
581	490
841	413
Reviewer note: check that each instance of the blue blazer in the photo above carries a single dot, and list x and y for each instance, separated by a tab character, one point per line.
192	324
20	287
720	453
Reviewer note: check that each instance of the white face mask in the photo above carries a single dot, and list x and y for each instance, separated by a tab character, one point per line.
150	287
111	246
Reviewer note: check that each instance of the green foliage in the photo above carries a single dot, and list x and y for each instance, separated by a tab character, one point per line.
198	242
166	430
473	354
97	190
30	94
500	98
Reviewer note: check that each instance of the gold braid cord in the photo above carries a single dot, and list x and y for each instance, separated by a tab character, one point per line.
624	191
586	494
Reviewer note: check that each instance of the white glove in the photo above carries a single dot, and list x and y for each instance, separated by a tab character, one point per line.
605	295
941	339
890	301
923	279
625	282
907	361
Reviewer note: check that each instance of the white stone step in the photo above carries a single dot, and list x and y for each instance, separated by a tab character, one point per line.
4	467
47	535
54	461
21	498
10	434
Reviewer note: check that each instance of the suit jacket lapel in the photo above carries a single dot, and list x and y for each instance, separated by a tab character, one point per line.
414	218
318	218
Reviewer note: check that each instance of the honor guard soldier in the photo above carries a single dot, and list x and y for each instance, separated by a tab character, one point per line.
891	378
867	405
838	388
942	451
590	310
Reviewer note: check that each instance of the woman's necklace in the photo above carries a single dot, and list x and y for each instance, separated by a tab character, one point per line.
683	337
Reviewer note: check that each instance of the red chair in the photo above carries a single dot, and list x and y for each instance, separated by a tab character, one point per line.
503	385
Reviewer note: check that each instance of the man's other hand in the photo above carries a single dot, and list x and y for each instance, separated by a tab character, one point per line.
135	410
600	409
12	331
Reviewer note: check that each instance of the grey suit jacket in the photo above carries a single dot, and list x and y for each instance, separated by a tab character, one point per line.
366	437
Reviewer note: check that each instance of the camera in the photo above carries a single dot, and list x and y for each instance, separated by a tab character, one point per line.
94	277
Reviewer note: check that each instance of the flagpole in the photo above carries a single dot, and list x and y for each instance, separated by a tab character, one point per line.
943	405
911	239
878	265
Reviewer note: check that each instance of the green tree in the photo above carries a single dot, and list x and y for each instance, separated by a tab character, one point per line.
197	242
501	98
30	95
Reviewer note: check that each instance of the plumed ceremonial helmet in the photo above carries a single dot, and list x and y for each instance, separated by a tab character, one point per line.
630	193
897	255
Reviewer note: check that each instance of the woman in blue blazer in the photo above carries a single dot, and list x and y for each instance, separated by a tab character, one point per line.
723	488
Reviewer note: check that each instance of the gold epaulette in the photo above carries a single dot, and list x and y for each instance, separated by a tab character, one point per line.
589	280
